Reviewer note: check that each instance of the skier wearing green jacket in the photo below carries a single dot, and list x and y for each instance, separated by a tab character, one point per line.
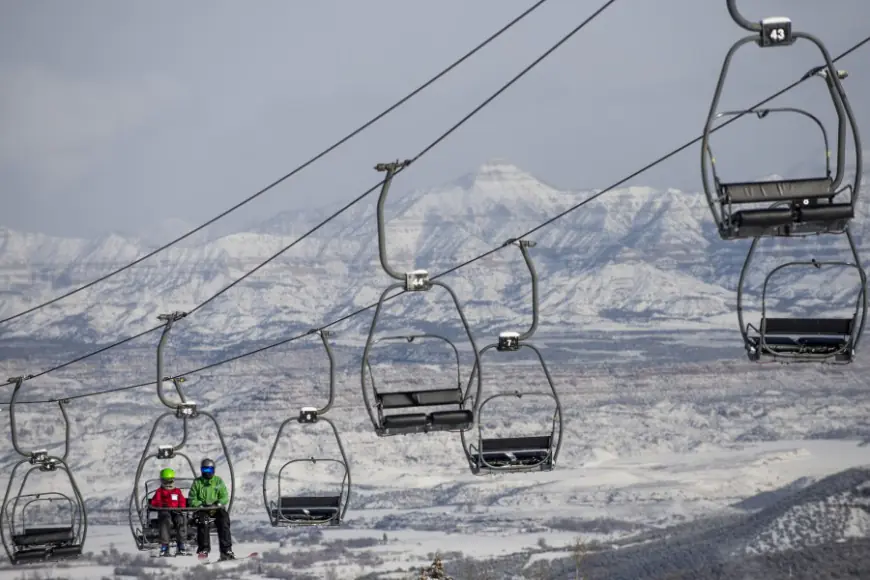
210	492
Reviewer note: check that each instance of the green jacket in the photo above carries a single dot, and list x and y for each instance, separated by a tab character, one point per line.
208	491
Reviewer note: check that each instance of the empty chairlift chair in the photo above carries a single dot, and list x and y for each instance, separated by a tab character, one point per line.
30	534
518	453
820	339
309	509
142	517
784	207
454	418
453	412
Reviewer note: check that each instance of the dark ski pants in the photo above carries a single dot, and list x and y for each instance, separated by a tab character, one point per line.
222	523
165	520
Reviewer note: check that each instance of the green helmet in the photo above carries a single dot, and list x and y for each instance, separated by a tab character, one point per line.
167	474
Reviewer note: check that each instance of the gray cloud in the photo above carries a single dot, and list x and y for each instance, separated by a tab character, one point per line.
122	115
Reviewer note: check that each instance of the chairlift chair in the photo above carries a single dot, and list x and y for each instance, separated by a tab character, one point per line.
310	509
390	401
26	537
453	413
822	339
784	207
185	410
518	453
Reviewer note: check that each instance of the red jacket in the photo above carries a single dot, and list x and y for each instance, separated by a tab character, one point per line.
169	498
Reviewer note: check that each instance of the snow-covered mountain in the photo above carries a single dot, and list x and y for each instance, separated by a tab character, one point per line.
634	257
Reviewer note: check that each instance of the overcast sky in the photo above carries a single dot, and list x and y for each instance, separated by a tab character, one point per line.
116	116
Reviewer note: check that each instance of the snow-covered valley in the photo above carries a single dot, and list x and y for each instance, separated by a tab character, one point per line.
675	447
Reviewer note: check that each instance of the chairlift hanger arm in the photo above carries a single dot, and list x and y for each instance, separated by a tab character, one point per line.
168	320
324	337
66	428
16	387
742	21
391	170
524	246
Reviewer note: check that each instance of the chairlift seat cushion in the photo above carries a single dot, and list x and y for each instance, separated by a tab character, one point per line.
42	536
314	501
410	420
762	218
429	398
784	190
827	213
516	444
30	555
803	326
307	508
452	418
70	551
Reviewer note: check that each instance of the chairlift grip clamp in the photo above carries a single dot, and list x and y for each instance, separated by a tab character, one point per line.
393	166
172	316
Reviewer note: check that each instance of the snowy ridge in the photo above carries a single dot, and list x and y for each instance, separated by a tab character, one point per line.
636	257
833	509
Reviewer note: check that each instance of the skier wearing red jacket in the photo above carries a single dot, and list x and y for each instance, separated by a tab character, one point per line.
169	496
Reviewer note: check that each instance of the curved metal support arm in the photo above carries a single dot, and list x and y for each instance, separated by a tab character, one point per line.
66	428
16	382
470	336
524	246
269	463
169	320
364	362
391	169
740	20
324	337
145	456
226	457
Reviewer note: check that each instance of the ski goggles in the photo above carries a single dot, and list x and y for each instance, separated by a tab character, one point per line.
167	481
207	470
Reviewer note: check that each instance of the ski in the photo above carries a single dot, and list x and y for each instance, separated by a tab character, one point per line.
206	561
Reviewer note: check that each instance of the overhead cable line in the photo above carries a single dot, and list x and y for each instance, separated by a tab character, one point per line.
363	195
549	221
310	161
